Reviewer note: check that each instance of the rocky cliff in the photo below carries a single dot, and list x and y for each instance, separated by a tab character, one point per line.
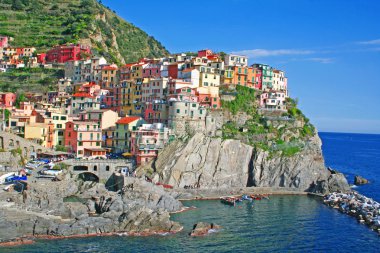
210	162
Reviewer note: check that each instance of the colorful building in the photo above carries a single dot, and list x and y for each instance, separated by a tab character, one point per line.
64	53
41	132
7	99
121	137
3	41
147	140
81	135
236	60
83	101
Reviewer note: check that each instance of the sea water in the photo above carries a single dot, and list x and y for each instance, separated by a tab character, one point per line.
280	224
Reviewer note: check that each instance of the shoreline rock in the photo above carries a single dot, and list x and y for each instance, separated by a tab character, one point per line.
359	180
203	228
364	209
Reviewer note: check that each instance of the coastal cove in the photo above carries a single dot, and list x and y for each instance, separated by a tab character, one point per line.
282	223
295	223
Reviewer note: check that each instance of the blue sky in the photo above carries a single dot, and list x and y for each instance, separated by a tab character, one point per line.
330	49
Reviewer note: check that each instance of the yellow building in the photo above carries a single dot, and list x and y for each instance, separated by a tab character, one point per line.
109	76
43	132
209	77
228	76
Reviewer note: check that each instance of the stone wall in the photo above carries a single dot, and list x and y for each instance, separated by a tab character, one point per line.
103	169
9	141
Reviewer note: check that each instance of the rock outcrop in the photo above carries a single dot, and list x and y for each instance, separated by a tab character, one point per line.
71	207
210	162
359	180
202	228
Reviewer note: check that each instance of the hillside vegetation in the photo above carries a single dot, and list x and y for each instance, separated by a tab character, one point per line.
45	23
30	80
285	133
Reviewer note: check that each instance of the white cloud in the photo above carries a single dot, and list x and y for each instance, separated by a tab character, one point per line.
321	60
252	53
370	42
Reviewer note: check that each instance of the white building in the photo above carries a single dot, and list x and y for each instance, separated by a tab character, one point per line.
236	60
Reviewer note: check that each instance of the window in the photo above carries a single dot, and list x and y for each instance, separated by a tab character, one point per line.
95	168
55	118
59	125
194	105
63	117
80	143
97	143
178	111
107	168
80	136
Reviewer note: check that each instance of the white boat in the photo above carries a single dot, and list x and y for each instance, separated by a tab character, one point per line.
5	176
51	172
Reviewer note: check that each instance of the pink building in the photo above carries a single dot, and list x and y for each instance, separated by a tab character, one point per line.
147	141
3	41
156	112
7	99
151	70
81	135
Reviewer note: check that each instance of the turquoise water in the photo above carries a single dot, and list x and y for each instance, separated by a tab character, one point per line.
281	224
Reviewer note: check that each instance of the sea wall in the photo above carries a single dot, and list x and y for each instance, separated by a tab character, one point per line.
364	209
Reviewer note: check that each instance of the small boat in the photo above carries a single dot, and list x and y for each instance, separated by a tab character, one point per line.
246	197
228	201
256	197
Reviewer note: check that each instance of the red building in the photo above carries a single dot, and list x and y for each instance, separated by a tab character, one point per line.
173	70
64	53
7	99
41	58
3	41
204	53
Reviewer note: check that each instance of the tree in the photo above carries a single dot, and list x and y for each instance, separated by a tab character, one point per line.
20	98
17	5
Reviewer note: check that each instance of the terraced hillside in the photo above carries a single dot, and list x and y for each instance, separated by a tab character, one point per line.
30	80
45	23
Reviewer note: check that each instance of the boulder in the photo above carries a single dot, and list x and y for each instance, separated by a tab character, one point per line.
360	180
203	228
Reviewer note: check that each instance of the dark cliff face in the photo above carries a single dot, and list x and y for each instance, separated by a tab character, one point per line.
213	163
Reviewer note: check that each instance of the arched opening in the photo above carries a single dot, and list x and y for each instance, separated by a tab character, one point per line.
80	168
95	168
88	176
25	151
1	142
17	144
107	168
11	143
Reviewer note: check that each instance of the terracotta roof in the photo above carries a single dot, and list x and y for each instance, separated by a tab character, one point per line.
129	64
127	120
109	68
82	94
188	70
